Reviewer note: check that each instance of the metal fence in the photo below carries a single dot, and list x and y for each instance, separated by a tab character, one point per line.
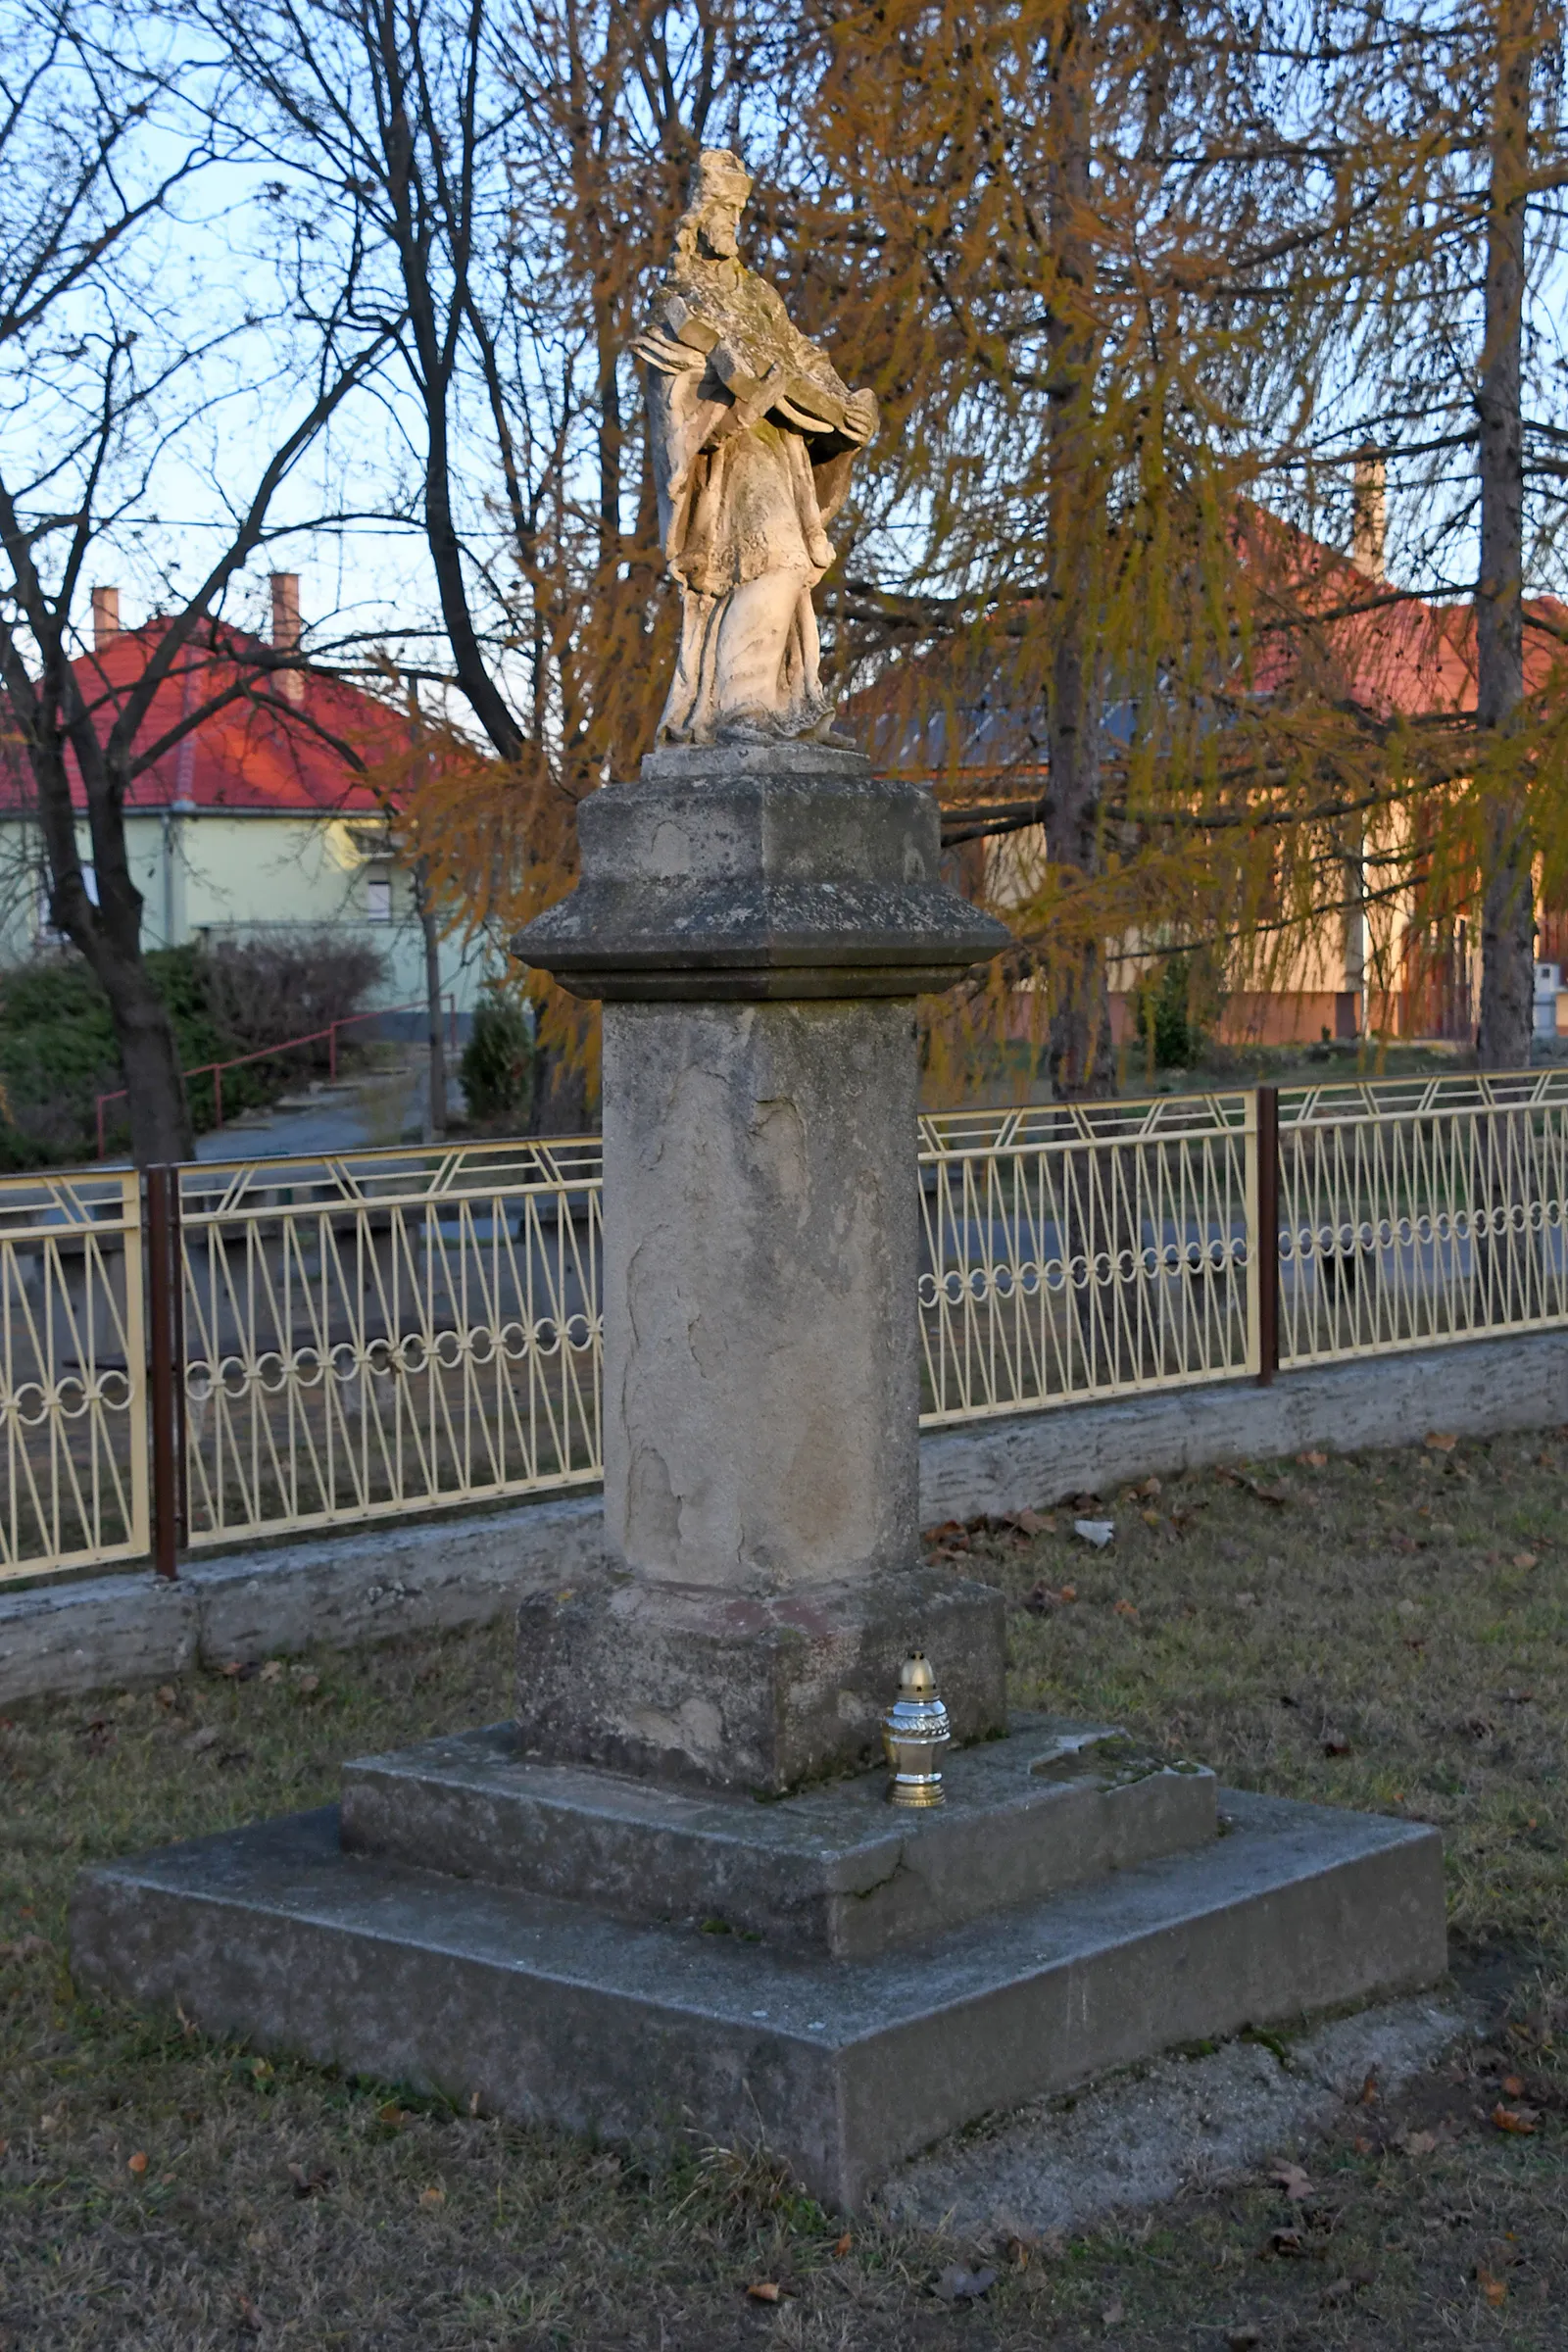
1086	1250
73	1372
386	1332
313	1344
1418	1212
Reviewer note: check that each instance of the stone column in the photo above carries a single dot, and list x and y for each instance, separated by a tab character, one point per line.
758	922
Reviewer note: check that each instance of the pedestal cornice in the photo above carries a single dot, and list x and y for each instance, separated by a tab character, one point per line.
760	873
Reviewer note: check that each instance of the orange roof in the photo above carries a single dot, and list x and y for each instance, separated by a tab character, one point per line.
1388	650
246	753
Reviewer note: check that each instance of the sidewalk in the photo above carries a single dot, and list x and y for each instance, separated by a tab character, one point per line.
381	1109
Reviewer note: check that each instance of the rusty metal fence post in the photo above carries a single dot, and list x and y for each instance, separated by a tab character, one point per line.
1266	1225
166	1400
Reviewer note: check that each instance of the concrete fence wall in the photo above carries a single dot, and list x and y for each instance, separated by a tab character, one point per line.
115	1630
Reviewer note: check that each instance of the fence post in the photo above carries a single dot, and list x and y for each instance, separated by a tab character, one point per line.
165	1327
1266	1225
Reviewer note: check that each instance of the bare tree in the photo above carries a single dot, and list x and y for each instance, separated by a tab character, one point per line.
113	371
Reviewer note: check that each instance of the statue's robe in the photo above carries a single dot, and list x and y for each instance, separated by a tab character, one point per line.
752	447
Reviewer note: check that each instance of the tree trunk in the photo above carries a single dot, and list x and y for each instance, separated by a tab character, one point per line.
1507	921
1080	1056
435	1119
148	1055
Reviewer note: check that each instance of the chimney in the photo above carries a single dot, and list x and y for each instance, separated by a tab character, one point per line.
1370	516
105	617
286	631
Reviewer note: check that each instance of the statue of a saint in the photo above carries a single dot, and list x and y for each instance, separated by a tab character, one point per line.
752	438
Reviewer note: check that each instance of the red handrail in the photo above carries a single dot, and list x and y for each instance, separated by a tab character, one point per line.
269	1052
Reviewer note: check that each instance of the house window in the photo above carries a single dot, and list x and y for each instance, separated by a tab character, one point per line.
378	899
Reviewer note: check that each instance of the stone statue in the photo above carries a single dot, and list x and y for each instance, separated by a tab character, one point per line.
754	435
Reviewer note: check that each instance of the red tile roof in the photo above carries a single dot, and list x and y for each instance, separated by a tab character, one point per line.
246	754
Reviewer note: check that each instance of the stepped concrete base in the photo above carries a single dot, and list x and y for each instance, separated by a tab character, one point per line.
837	1870
551	2010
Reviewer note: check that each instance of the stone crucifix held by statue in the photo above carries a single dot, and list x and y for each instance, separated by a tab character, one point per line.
753	434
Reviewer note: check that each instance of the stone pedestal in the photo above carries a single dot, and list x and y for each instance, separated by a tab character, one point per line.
758	920
587	1915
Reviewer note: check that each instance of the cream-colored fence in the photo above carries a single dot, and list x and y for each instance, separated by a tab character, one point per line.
1091	1250
397	1332
1417	1211
73	1373
388	1333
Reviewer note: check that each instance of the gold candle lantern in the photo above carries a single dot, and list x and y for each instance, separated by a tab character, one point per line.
914	1732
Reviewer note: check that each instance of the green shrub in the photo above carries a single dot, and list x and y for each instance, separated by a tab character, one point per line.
57	1040
497	1066
1166	1021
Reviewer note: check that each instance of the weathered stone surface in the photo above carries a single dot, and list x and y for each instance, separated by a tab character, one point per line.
750	1692
761	1263
759	873
836	1870
554	2010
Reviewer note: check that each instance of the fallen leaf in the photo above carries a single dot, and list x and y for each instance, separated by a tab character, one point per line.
1149	1518
1512	2087
1284	2242
167	1696
311	2184
272	1671
1523	1559
958	2286
764	2290
307	1683
1029	1523
1522	2120
1493	2289
1276	1495
1068	1592
137	2164
1370	2089
1113	2314
1099	1532
1417	2144
432	2198
205	1738
1339	2291
392	2113
1246	1601
1150	1486
1440	1440
1123	1608
1363	2147
842	2245
1292	2178
1313	1461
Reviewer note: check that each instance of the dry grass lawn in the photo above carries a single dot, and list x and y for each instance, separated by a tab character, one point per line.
1384	1632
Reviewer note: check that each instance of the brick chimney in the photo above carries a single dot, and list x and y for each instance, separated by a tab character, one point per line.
286	631
1370	516
105	617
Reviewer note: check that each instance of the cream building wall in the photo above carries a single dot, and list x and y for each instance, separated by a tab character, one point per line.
235	874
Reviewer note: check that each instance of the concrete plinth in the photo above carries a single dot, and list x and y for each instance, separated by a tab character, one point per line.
557	2010
745	1690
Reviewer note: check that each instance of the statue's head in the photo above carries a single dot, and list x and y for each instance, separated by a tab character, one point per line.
719	187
